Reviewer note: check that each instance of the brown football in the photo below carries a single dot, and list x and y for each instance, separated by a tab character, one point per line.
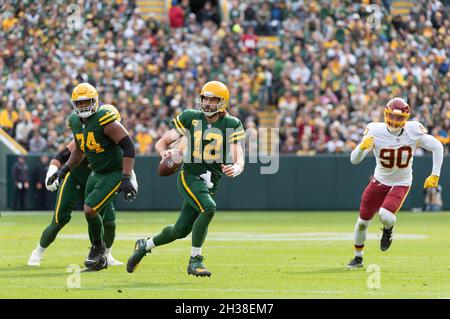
170	165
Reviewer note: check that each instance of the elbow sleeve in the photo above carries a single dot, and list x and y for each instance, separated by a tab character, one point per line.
127	145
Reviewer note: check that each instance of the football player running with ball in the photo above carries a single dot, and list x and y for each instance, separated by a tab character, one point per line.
393	143
214	137
67	198
110	152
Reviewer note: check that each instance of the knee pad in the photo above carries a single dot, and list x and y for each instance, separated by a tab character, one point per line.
386	217
362	224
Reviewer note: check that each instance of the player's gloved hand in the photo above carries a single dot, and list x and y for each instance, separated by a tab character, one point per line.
55	179
134	181
367	143
432	181
127	188
52	169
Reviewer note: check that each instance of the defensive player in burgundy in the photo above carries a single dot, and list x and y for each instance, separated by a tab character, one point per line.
393	143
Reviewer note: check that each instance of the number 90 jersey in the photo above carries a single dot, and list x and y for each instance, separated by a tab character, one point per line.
394	154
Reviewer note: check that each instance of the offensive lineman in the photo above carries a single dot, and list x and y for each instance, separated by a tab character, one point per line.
393	143
110	152
67	198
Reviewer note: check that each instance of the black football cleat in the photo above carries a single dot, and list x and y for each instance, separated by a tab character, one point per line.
96	257
356	262
197	268
103	264
386	239
138	253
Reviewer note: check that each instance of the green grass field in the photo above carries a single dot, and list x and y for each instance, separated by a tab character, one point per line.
251	255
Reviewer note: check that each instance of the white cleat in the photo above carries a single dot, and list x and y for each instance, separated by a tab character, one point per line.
35	259
113	262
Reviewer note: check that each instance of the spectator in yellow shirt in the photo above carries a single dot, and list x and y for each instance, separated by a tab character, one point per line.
8	118
144	141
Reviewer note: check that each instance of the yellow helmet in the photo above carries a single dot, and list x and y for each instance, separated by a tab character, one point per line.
111	108
214	89
84	92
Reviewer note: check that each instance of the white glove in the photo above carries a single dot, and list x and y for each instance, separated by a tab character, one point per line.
52	169
237	169
133	180
206	177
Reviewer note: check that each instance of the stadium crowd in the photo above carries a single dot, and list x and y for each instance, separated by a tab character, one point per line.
335	67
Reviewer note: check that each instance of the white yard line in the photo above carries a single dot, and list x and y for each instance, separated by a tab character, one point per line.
245	236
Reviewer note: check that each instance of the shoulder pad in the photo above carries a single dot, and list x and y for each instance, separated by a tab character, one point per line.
70	119
415	129
111	108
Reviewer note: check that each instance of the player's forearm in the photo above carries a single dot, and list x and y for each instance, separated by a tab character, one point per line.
161	146
358	155
432	144
75	158
55	162
163	143
127	165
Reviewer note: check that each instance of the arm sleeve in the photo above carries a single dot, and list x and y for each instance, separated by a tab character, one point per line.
63	156
358	155
431	144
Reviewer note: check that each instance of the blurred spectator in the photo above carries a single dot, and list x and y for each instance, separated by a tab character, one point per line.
176	15
263	18
21	183
433	199
8	117
250	40
37	142
325	67
144	141
23	129
208	13
38	178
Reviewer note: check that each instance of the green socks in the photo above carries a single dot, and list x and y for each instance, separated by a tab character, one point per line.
95	228
49	234
200	228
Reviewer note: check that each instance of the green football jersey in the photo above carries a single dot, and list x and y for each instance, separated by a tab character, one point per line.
81	172
209	143
102	153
